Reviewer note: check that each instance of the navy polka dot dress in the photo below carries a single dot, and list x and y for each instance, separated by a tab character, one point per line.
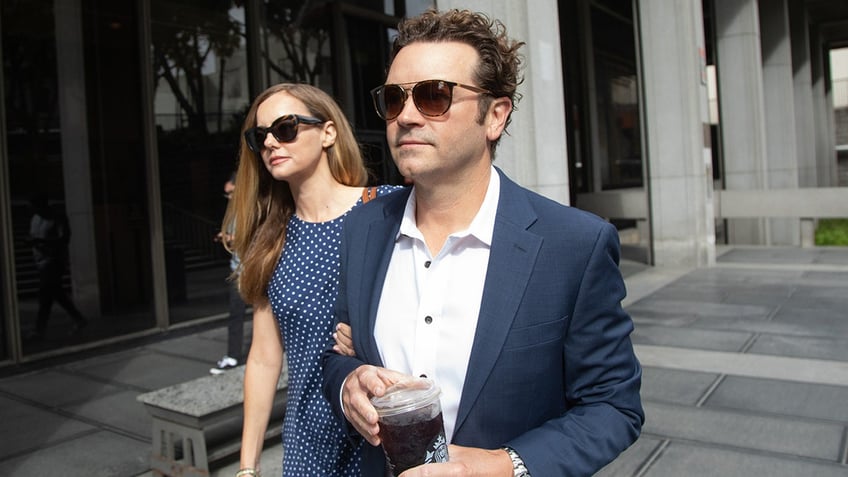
302	292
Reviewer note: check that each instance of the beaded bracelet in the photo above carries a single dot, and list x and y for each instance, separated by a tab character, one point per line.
247	471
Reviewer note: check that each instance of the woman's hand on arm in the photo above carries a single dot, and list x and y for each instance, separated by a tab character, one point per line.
344	340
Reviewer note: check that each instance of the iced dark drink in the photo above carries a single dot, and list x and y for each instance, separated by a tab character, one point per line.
411	426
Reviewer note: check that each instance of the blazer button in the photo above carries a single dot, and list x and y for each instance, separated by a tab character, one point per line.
428	319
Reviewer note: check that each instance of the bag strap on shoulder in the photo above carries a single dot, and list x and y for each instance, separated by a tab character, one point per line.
368	193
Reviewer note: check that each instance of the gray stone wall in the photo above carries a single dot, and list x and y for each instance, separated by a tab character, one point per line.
841	126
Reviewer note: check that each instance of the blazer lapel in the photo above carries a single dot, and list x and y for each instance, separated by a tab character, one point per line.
511	261
379	246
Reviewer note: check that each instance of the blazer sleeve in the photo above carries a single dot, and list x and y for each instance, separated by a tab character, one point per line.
335	366
602	377
366	237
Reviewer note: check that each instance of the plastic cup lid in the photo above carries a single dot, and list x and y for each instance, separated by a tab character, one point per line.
405	396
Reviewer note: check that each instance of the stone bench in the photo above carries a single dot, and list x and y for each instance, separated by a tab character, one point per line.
200	421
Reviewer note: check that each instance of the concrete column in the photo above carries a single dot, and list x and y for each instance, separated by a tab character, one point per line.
76	166
778	85
804	112
741	106
677	132
534	153
825	134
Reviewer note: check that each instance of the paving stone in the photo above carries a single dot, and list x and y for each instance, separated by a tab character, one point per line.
829	348
782	288
816	321
57	388
690	293
193	347
750	365
271	462
826	278
787	327
629	462
27	427
641	318
771	278
816	401
84	456
688	459
145	369
780	285
793	437
829	291
677	308
674	386
769	255
832	256
689	337
756	297
122	411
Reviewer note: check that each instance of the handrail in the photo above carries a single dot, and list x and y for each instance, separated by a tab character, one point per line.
805	202
193	230
616	204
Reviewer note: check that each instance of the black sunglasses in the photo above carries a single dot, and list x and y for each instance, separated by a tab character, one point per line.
431	97
284	129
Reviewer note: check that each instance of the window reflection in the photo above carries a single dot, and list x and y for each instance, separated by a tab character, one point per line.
78	146
76	130
342	48
32	132
201	96
619	157
296	45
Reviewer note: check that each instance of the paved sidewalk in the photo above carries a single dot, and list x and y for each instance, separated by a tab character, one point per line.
745	374
745	368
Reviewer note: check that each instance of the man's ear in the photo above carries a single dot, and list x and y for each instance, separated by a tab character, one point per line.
496	117
329	137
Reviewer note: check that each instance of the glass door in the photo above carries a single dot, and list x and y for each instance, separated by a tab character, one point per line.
75	163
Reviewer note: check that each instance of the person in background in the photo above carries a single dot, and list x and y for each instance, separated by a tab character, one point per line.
510	301
50	234
300	174
235	318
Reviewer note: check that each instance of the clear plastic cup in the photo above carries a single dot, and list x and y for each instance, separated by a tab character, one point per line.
411	426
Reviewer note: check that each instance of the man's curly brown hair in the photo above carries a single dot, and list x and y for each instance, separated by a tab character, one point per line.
499	69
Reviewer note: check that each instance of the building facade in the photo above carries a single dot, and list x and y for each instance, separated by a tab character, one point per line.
126	115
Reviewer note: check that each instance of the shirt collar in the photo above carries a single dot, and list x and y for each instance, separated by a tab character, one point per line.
481	227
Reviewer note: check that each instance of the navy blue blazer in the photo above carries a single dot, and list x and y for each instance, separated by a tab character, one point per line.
552	371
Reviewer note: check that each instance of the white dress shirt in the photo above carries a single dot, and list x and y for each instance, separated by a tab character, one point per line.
429	305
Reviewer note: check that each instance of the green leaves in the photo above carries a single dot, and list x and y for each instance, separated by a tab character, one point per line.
832	232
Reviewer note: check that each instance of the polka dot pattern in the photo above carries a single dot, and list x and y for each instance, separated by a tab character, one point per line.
302	292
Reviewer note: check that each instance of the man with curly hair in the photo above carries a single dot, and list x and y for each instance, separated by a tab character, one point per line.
511	302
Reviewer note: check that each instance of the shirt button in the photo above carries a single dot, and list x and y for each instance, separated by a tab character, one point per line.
428	319
427	264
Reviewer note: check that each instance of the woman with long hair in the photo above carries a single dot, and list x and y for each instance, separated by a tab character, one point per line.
300	172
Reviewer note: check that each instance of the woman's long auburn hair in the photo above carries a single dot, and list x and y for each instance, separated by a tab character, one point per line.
261	206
